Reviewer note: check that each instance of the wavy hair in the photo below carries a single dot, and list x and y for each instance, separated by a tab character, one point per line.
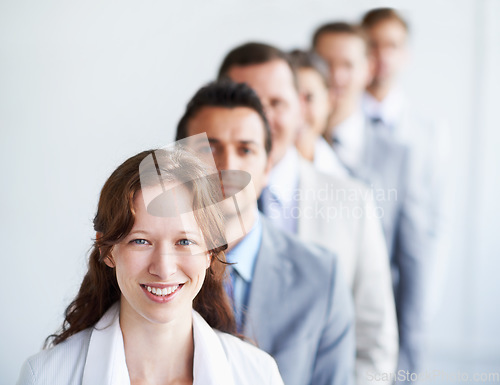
114	220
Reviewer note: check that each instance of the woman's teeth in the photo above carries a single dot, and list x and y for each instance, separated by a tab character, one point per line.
162	292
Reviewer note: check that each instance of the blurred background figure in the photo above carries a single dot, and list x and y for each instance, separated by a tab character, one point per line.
313	80
387	35
390	110
384	164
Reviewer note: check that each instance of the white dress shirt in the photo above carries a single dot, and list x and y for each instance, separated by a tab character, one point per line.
389	110
327	161
349	140
279	199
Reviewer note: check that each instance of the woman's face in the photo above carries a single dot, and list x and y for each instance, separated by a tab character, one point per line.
161	264
317	102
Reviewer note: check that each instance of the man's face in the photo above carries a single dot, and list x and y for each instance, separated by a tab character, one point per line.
388	49
274	84
346	57
236	138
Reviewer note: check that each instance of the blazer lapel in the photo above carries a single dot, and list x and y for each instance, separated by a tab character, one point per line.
210	363
105	362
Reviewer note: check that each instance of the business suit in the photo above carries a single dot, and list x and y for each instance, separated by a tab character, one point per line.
300	311
353	231
387	166
96	356
428	141
337	213
429	151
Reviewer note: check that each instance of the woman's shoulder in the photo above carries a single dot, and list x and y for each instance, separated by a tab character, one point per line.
250	364
60	364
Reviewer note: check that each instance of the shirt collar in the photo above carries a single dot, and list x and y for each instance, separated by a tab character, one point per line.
244	254
284	178
349	133
389	109
326	160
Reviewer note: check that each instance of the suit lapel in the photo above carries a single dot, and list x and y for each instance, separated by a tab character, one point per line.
306	225
271	280
373	156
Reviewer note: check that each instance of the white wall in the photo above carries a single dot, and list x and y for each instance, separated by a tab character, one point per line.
83	85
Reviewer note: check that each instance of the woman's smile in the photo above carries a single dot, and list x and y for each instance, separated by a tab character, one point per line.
161	293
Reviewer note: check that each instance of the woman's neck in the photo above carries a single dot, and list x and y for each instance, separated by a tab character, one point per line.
158	353
306	143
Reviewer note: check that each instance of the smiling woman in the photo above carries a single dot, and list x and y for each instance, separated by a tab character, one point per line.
153	290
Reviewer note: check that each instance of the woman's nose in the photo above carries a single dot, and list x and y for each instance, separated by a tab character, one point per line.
163	263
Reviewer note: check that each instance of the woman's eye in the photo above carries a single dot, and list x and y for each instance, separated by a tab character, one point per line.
186	242
140	241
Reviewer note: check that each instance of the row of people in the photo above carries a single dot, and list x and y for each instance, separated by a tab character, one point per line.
326	271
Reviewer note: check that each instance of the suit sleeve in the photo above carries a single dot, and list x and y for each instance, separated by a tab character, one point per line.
334	364
413	260
376	323
26	377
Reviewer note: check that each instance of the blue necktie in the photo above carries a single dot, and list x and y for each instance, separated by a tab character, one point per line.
229	286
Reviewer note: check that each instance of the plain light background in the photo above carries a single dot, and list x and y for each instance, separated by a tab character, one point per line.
84	85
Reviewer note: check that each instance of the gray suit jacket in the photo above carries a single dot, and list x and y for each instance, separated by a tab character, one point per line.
300	311
387	167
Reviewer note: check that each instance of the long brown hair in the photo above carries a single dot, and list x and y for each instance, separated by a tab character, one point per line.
114	220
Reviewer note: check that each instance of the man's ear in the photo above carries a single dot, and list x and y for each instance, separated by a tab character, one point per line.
108	260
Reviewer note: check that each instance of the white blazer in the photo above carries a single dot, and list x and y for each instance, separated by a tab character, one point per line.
339	214
97	356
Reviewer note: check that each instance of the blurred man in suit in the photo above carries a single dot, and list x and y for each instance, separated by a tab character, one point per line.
387	105
336	213
373	156
289	297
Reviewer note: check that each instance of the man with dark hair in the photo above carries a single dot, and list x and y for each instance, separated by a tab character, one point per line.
334	212
288	297
371	155
226	94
